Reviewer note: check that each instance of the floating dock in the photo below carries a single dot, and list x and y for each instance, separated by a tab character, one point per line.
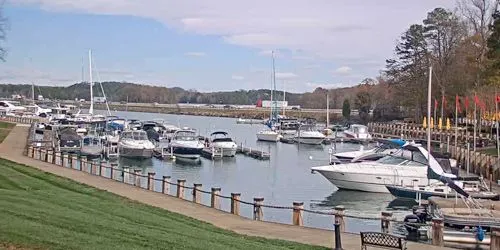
211	154
254	153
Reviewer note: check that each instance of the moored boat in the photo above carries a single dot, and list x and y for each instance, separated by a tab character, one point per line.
224	144
135	144
185	144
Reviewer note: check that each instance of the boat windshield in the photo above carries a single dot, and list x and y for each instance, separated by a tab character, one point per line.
135	135
412	157
185	136
359	129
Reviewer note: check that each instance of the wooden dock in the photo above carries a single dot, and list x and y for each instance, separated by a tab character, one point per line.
211	154
254	153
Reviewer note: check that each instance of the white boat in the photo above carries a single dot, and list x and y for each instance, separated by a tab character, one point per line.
135	144
268	135
11	106
222	143
185	144
408	165
385	147
357	131
308	135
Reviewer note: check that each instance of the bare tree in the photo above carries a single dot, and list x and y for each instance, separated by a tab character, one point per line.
3	35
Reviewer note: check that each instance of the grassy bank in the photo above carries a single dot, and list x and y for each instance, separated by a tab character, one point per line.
5	128
42	211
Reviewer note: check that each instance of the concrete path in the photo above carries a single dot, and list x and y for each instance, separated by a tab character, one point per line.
13	147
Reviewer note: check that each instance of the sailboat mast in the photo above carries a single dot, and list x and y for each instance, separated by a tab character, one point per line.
91	109
429	101
273	103
284	97
33	92
327	109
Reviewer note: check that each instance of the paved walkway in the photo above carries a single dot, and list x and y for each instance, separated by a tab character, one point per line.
13	147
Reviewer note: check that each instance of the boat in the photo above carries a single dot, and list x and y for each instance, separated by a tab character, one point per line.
407	165
424	192
308	135
185	144
135	144
384	147
268	135
69	140
91	147
222	143
249	121
288	126
357	131
11	106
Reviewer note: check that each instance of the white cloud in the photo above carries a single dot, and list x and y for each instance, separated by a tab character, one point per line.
195	54
328	29
237	77
285	75
344	70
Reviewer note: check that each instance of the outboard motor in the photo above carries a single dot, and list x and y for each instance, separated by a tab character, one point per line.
411	223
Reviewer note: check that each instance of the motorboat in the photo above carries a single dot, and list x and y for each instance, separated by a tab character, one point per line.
11	106
268	135
185	144
407	165
383	148
69	140
424	192
357	131
288	126
92	146
222	143
308	135
135	144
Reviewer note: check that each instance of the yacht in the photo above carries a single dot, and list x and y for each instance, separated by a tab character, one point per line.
222	143
288	126
135	144
407	165
268	135
185	144
11	106
357	131
308	135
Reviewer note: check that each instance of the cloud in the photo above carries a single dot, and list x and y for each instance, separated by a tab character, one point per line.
344	70
322	28
269	52
195	54
285	75
237	77
314	85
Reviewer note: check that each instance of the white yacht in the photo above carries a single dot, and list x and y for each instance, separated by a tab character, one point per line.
268	135
408	165
185	144
357	131
135	144
222	143
308	135
11	106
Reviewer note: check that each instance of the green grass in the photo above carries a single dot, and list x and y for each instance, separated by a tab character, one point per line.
5	128
42	211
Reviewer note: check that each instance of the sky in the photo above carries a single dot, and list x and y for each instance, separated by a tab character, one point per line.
207	45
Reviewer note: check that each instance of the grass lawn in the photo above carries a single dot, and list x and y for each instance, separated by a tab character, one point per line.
5	128
42	211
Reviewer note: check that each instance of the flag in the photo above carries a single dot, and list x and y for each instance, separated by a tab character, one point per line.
466	102
444	101
435	104
457	104
498	98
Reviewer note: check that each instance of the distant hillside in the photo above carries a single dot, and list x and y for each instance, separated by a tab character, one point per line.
122	91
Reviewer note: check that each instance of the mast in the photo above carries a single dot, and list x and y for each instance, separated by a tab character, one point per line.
91	109
327	109
273	87
33	92
284	99
429	101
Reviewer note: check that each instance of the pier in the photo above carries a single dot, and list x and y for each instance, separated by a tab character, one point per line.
256	154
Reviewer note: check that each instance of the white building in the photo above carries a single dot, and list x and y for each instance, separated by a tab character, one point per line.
279	104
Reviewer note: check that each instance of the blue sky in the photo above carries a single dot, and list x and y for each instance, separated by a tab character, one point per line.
193	44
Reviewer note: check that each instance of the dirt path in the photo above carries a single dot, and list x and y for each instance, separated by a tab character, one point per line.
13	146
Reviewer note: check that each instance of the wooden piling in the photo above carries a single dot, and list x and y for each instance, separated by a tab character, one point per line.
102	169
196	193
75	162
214	198
43	154
58	159
50	156
385	221
495	238
257	208
93	167
165	185
437	232
235	203
126	175
297	213
83	164
137	177
65	160
151	181
180	188
30	151
339	217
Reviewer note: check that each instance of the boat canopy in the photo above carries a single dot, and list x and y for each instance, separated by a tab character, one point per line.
69	134
219	133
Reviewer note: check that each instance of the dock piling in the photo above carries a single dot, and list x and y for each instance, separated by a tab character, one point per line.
437	232
30	151
235	203
165	185
102	169
297	213
126	175
385	221
339	217
257	208
58	159
495	238
196	193
137	177
180	188
74	162
214	201
50	156
151	181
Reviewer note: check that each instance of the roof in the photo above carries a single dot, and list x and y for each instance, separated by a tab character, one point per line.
219	133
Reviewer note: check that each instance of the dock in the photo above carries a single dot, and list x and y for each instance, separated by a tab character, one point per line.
254	153
211	154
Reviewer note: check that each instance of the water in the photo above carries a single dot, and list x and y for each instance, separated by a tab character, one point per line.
282	180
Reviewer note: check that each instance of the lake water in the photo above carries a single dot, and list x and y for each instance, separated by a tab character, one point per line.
283	179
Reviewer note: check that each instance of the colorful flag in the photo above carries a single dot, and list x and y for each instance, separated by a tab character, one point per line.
444	101
466	102
457	104
435	104
498	98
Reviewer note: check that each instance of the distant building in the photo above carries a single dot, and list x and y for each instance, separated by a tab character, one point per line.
17	97
99	99
279	104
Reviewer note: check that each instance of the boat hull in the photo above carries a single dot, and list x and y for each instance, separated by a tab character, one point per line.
143	153
309	140
268	137
408	193
187	153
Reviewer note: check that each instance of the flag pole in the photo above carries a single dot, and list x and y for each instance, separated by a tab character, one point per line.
456	121
475	122
496	118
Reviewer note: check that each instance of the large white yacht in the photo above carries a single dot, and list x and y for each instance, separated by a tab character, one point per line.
221	142
408	165
185	144
135	144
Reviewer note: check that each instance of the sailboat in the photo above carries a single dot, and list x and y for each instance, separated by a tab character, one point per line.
271	135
